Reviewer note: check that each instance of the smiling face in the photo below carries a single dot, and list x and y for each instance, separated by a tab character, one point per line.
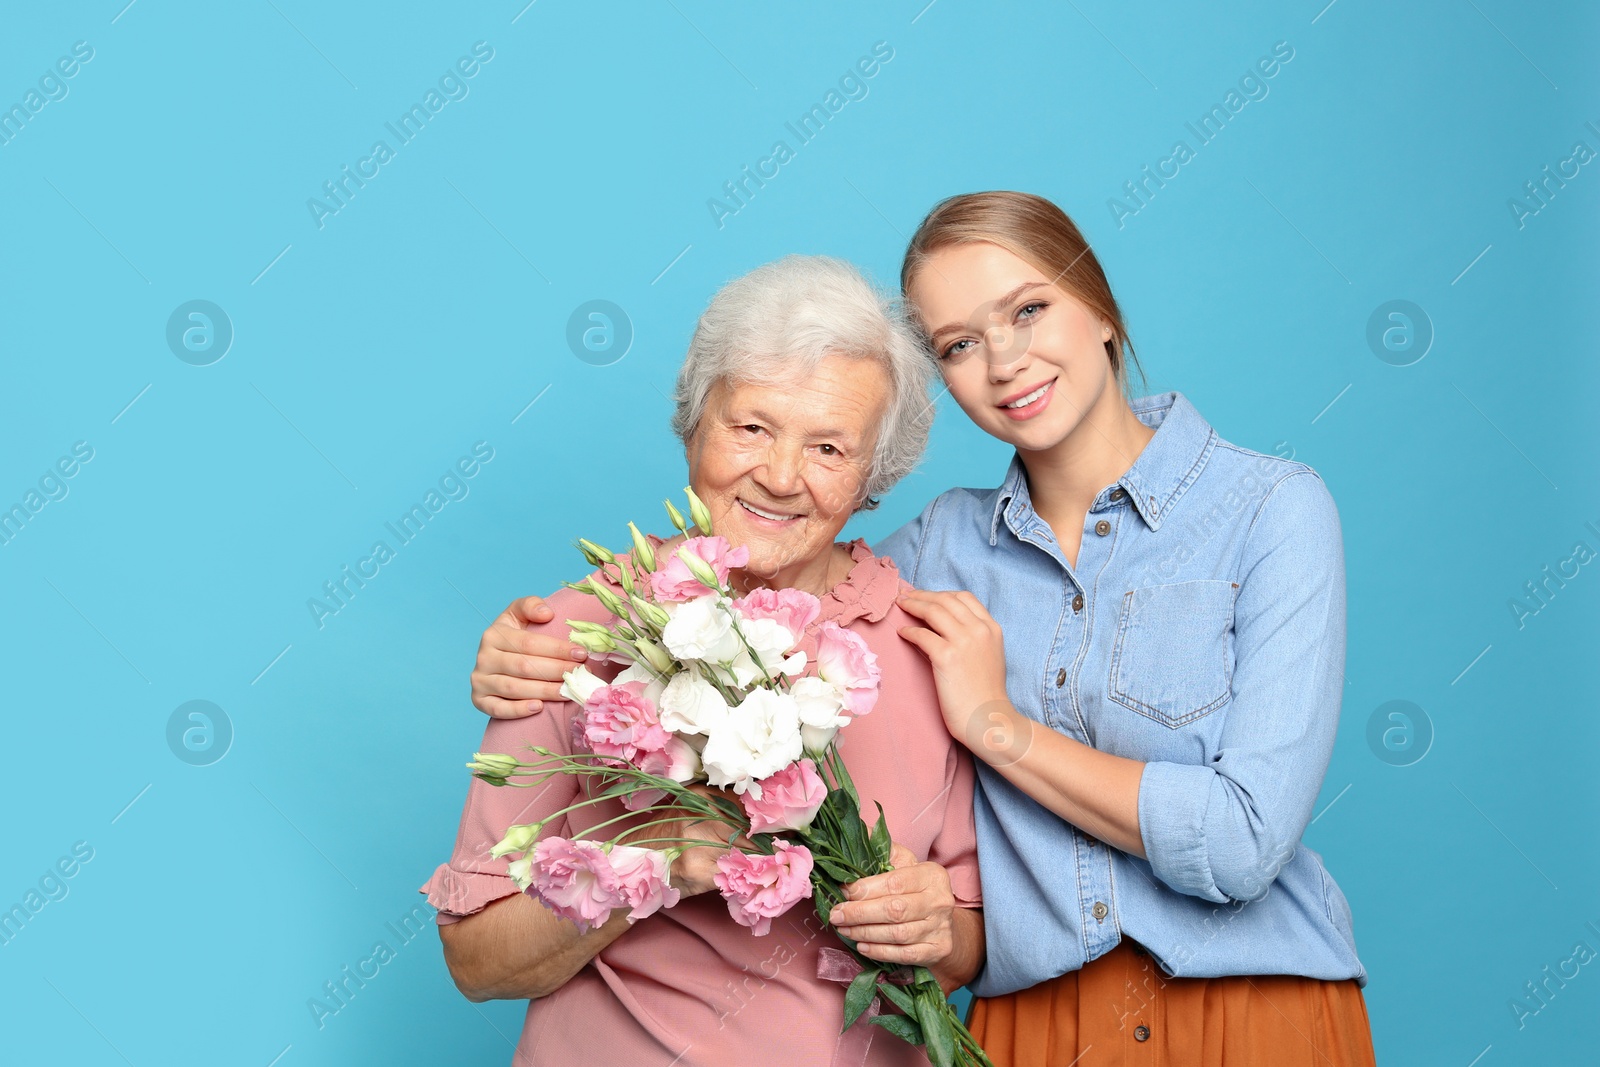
1024	358
782	467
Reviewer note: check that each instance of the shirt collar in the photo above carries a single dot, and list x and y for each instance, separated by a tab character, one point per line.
1161	475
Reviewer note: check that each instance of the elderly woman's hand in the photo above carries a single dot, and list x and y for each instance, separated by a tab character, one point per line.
693	871
905	916
516	671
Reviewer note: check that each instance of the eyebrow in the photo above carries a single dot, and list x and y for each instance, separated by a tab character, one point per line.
834	432
1001	302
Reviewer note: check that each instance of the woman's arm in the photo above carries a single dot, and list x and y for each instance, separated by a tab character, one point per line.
517	949
1221	830
1093	790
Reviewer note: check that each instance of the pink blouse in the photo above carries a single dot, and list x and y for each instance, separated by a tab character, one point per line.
688	985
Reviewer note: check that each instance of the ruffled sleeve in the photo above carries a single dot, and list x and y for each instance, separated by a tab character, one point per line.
472	879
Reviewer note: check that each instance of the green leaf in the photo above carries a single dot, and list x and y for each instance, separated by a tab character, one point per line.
900	1026
896	996
880	837
936	1030
860	994
835	870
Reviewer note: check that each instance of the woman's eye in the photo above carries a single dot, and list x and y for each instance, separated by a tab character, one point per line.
750	428
828	450
954	349
1028	311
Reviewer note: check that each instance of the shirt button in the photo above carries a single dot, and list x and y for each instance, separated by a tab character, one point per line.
1090	841
1061	677
1117	494
1141	1033
1102	527
1099	911
1077	603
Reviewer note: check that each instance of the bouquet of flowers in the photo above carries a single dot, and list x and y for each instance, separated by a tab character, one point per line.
716	693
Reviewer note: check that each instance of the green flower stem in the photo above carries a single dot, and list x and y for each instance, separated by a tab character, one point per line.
623	817
664	822
692	842
542	823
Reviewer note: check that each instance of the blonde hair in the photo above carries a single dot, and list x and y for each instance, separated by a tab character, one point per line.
1038	231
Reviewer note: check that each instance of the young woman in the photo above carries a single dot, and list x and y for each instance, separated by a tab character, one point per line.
1153	729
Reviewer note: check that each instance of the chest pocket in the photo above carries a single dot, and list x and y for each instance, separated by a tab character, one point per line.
1171	661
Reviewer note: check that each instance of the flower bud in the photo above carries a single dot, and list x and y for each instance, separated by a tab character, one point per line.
643	555
649	612
698	512
493	764
521	872
597	555
676	517
699	568
517	839
816	739
608	600
625	576
655	656
594	642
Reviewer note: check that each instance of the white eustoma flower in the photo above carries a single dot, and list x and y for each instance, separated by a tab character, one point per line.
771	641
691	705
759	737
702	629
579	683
820	706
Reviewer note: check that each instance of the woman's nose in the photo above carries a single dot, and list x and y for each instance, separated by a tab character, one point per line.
1004	350
780	474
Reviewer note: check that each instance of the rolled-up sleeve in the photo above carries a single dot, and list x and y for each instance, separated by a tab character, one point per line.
1224	830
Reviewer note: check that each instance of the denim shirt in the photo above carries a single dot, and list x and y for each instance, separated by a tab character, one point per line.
1201	632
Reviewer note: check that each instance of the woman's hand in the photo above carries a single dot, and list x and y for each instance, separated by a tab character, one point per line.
694	870
968	654
517	671
909	916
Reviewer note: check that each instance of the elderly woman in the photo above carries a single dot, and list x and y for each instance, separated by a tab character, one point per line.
803	395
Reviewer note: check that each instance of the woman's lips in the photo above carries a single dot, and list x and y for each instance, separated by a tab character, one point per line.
764	521
1034	408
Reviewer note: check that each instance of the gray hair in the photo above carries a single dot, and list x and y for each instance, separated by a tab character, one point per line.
776	324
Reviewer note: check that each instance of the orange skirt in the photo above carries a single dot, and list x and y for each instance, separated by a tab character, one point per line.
1122	1009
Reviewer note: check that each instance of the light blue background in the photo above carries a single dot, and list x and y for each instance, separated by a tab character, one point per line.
426	315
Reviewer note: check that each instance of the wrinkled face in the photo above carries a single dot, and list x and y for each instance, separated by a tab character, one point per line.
1024	358
782	468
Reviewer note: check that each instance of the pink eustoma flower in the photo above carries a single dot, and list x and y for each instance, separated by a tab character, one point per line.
619	722
642	880
844	659
793	609
677	761
575	880
789	799
672	580
759	887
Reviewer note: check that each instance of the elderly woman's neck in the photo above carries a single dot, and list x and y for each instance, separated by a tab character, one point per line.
816	576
